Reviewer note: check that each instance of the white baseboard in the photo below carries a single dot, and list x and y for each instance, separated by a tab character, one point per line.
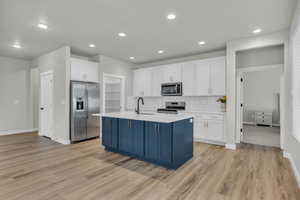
209	141
249	123
254	124
61	141
296	172
11	132
230	146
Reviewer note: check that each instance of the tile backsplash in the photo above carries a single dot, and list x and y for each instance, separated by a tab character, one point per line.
204	104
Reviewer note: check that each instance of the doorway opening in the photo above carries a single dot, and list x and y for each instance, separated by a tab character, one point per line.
113	93
259	92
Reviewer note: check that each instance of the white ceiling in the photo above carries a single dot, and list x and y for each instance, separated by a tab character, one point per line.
78	23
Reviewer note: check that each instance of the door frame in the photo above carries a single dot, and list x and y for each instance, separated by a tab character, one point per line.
122	100
240	74
51	135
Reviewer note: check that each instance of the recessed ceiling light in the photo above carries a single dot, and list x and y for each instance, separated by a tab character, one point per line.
160	51
257	31
201	43
92	45
17	46
43	26
131	58
122	34
171	16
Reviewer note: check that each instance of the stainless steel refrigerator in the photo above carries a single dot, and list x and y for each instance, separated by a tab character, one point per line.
84	102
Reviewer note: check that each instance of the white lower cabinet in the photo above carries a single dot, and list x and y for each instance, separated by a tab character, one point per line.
209	128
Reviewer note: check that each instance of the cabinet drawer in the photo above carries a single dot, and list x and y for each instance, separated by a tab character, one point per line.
263	121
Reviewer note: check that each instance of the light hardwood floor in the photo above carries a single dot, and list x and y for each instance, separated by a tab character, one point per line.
33	167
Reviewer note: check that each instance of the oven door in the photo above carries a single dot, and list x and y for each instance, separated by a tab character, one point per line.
171	89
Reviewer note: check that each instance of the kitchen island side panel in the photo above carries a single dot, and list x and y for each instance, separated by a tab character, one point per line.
182	141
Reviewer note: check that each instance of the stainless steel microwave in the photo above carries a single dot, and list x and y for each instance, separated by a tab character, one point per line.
171	89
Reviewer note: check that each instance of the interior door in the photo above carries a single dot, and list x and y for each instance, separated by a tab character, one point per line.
46	104
112	94
93	123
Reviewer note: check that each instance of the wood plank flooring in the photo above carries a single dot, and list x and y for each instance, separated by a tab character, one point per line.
33	167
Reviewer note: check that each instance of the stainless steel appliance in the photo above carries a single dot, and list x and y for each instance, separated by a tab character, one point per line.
84	102
172	107
171	89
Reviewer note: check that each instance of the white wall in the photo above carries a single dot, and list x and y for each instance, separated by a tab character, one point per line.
261	89
291	144
212	54
58	61
271	55
17	102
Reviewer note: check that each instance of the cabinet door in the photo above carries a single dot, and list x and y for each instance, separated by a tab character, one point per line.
131	136
110	132
202	82
151	140
188	79
125	135
164	142
147	81
138	83
217	76
215	130
137	131
83	70
200	131
157	79
172	73
158	142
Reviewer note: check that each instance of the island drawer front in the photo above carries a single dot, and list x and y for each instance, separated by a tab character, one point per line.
183	141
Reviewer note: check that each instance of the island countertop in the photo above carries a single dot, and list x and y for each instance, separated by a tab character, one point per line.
152	117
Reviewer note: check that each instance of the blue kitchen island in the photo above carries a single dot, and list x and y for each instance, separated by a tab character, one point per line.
162	139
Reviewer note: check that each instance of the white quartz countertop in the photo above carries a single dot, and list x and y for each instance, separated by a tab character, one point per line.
148	116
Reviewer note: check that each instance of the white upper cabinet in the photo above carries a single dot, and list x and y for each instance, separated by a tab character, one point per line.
217	76
147	79
199	78
172	73
142	82
83	70
138	83
156	81
189	78
202	80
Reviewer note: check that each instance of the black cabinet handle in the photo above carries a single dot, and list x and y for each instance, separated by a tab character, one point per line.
41	108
